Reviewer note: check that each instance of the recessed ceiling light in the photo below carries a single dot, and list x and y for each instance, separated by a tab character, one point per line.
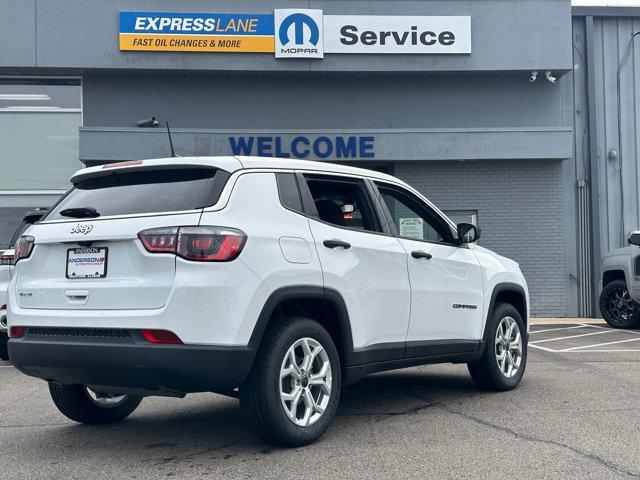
29	97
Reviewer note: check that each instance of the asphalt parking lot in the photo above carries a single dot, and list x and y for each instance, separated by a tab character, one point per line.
575	415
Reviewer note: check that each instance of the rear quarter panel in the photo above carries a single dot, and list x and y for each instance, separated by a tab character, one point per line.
279	250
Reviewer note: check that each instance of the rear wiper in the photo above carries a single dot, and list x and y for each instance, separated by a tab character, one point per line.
80	212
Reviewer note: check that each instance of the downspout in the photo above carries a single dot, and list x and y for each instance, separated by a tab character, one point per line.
596	245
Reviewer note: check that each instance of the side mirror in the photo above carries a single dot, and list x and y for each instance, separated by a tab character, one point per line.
468	233
634	238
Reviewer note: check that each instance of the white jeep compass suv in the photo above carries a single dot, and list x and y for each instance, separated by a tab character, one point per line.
278	281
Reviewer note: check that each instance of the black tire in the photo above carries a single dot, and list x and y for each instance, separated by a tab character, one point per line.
617	307
486	372
4	351
260	394
76	404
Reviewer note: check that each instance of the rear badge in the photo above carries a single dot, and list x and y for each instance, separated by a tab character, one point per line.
81	228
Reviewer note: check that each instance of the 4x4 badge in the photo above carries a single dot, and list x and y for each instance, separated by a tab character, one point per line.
80	228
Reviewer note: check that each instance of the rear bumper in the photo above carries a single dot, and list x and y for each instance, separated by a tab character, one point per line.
131	364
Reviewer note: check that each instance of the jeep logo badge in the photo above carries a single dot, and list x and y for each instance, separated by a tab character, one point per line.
83	229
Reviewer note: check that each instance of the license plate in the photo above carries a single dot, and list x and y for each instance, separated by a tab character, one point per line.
87	262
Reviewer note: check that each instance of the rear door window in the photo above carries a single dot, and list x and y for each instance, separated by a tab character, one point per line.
149	191
342	202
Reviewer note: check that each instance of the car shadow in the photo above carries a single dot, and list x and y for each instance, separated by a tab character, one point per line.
178	432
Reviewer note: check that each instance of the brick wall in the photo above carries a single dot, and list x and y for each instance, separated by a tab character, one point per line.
519	206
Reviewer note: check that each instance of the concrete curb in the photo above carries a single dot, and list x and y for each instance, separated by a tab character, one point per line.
566	321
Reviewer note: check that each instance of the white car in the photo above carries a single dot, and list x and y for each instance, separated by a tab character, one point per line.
6	266
278	281
620	287
6	259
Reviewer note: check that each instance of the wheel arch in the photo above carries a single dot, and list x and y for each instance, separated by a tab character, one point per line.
322	304
513	294
612	275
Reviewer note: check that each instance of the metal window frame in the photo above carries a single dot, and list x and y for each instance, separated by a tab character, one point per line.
463	211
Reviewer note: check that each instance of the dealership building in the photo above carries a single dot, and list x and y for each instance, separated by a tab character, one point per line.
503	113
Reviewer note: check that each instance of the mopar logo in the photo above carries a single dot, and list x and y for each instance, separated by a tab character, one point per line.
299	21
83	229
298	33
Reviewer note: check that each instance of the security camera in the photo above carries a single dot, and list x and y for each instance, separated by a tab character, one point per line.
149	122
550	77
533	77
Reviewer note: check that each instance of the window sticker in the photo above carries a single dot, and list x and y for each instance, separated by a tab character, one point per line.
412	228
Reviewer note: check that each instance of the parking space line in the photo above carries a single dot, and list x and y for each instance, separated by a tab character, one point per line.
542	348
561	328
599	345
633	332
619	350
572	336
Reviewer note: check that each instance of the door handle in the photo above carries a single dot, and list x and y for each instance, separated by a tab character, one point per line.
77	297
420	254
336	243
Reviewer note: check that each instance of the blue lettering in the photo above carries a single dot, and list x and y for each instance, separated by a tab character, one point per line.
241	146
366	144
301	147
279	152
294	147
316	147
347	149
264	146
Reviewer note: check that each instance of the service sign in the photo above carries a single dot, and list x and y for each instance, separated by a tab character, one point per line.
295	33
196	32
396	34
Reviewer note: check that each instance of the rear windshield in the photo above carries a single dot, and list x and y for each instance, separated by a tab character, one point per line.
144	192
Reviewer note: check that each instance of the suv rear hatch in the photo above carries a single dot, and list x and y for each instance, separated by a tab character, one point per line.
87	254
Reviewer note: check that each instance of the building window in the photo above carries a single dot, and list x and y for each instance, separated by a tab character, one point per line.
39	122
463	216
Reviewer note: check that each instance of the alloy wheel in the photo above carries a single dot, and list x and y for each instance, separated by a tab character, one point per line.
305	382
106	400
620	305
508	347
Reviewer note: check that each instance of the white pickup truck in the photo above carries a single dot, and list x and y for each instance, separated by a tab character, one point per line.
620	297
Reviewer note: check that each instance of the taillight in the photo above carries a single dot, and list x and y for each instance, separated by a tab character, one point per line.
160	336
16	332
23	248
160	240
204	244
6	258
